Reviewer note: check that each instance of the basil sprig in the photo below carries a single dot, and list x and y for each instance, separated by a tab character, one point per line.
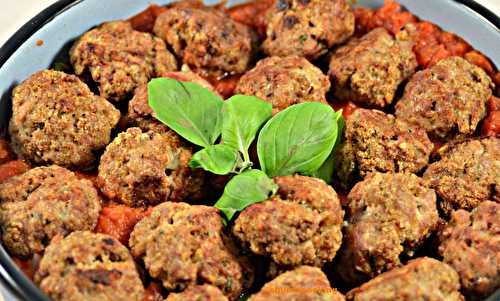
299	139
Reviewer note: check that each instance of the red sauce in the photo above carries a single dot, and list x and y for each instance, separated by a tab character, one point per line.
119	221
145	20
252	14
491	124
26	266
225	87
347	107
13	168
153	293
5	152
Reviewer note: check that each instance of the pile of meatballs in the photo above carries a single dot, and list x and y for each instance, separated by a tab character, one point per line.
404	220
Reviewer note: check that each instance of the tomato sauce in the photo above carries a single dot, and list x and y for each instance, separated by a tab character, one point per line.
153	293
252	14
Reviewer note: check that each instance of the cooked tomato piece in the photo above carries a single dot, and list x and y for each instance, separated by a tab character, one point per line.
493	104
153	293
145	20
119	221
26	266
5	152
478	59
347	107
225	87
491	125
13	168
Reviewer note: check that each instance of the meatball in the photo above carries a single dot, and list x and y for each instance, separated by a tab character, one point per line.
448	100
184	245
42	203
56	119
421	279
299	226
198	293
120	58
207	40
467	174
305	283
470	243
375	141
140	169
140	113
390	214
307	28
284	82
89	266
370	69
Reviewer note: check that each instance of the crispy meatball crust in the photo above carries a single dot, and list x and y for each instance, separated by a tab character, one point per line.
421	279
390	214
307	28
470	243
140	169
448	100
56	119
370	69
42	203
375	141
120	58
207	40
284	82
89	266
184	245
467	174
301	225
140	113
305	283
198	293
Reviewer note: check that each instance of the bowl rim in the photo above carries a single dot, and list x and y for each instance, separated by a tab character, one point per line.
12	278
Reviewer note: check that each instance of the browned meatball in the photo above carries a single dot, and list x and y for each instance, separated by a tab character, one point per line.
284	82
198	293
448	99
56	119
370	69
421	279
120	58
470	243
91	267
467	174
305	283
390	214
375	141
140	169
184	245
140	113
301	225
307	28
207	40
42	203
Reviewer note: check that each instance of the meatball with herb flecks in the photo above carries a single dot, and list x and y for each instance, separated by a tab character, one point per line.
448	100
184	245
56	119
120	58
42	203
91	267
207	40
304	283
389	215
301	225
467	174
421	279
370	69
307	28
198	293
375	141
140	169
470	243
284	82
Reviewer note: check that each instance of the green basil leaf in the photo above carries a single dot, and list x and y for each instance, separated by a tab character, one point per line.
250	187
189	109
297	140
325	172
218	159
242	118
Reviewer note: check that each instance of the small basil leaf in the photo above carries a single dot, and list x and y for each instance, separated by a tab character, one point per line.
297	140
218	159
189	109
245	189
325	172
242	118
